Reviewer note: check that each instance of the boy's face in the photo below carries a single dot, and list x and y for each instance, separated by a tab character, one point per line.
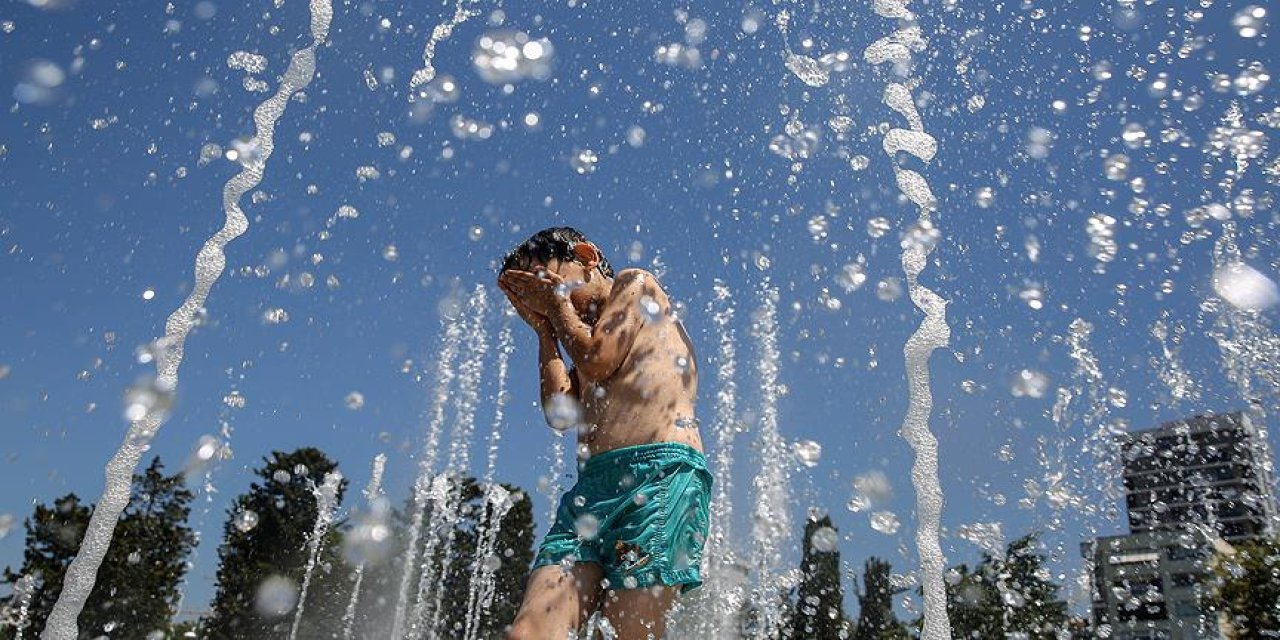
588	288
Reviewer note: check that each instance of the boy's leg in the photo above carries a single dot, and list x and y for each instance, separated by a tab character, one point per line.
639	614
556	602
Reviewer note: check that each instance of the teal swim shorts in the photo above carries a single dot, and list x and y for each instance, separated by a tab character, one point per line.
639	512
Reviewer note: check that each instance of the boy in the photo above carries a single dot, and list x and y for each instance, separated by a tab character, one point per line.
630	532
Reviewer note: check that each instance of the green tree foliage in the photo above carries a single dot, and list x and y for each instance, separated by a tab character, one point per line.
136	591
1248	588
818	611
876	620
1004	596
53	537
275	547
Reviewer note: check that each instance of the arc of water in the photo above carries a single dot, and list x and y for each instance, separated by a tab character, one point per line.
463	10
459	451
496	499
443	380
209	264
772	518
326	495
933	332
372	494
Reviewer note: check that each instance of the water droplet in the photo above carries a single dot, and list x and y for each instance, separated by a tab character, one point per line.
650	310
1252	79
824	539
984	197
808	452
808	70
1029	384
1116	166
1244	287
1250	22
206	448
235	400
275	316
852	276
889	289
355	401
148	397
465	128
245	521
275	597
1117	397
584	161
885	522
502	57
988	536
587	527
563	412
878	226
7	521
1134	136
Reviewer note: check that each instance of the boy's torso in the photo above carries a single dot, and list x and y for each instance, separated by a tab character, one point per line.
650	398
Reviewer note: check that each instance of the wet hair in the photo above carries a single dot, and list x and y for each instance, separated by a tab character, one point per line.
541	247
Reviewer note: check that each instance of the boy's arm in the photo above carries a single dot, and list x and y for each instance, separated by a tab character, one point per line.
598	352
555	377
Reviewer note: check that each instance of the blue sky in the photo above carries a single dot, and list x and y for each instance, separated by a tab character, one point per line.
94	216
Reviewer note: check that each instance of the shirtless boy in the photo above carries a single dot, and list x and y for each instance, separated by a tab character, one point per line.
629	534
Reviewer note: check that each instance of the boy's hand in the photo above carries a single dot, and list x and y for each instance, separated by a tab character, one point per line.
538	292
538	321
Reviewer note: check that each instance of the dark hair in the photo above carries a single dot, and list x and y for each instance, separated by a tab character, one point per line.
541	247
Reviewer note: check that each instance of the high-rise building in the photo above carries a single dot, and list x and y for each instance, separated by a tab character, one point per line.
1187	484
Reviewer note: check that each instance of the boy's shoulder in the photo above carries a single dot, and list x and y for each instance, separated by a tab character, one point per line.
639	281
636	275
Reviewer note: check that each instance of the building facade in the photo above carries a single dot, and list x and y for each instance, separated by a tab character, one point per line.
1189	485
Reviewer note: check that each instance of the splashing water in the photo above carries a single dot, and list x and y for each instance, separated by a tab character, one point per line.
712	610
326	495
210	262
421	488
933	332
17	612
445	515
771	517
374	498
497	499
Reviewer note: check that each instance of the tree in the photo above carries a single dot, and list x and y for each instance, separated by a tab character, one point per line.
136	592
1006	596
876	620
53	538
264	553
819	608
1248	588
